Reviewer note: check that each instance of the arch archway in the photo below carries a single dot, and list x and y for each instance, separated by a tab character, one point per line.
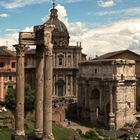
95	103
95	94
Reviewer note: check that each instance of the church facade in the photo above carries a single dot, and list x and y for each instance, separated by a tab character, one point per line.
65	60
107	92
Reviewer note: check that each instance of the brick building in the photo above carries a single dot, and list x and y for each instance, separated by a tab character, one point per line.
7	71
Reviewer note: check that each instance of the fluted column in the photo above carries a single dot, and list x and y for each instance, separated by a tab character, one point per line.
19	117
48	77
39	91
111	114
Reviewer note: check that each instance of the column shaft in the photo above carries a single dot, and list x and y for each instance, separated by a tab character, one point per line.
39	91
19	123
111	114
48	97
48	77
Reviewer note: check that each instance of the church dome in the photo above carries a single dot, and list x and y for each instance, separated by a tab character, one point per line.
60	35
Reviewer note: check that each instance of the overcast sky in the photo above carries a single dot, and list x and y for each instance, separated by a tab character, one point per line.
101	25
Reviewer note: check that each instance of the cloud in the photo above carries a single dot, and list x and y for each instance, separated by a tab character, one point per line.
124	34
106	3
122	12
21	3
11	30
62	14
12	36
9	40
3	15
120	35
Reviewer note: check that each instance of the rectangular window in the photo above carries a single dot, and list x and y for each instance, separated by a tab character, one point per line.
13	64
10	86
69	59
10	77
1	64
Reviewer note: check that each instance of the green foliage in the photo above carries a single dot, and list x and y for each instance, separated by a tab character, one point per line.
112	139
61	133
5	133
90	134
10	100
79	131
101	132
29	98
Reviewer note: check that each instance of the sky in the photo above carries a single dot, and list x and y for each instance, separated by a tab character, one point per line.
101	26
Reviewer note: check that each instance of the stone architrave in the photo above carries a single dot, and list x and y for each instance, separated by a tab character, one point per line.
19	123
27	38
39	91
48	77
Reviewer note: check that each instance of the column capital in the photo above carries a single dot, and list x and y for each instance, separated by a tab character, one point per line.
21	49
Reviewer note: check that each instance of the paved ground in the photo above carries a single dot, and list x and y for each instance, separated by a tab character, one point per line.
74	126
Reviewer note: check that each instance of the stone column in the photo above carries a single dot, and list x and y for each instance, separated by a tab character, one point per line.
48	77
111	114
19	116
100	99
39	91
86	95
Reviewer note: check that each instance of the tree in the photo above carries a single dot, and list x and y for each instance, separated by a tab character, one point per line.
10	99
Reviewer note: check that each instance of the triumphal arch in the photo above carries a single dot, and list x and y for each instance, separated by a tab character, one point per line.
41	37
107	92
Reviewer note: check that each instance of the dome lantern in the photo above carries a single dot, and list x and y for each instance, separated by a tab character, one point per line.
60	35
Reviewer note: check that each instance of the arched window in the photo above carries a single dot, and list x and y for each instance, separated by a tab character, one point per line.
95	94
60	60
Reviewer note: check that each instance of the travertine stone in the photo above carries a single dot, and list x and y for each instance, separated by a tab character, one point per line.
48	77
19	124
111	114
39	91
112	92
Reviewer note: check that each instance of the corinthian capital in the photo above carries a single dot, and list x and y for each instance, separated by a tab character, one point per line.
20	49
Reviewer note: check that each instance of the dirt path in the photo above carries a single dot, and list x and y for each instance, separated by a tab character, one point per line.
75	126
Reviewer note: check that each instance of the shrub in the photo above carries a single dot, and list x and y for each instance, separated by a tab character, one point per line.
79	131
90	134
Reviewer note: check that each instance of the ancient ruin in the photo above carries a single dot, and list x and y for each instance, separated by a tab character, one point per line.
107	92
42	38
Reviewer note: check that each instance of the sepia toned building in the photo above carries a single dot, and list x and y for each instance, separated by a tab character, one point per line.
107	92
7	71
65	60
